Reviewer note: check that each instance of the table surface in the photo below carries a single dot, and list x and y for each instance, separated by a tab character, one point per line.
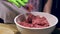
11	26
15	30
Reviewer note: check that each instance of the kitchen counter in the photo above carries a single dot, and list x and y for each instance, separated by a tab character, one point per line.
15	30
11	26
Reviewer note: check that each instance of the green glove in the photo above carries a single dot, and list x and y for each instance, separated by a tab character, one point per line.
19	3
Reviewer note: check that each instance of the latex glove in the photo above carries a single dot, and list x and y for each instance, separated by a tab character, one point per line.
18	3
23	3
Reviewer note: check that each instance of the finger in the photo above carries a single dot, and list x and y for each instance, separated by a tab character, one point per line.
21	2
14	2
25	1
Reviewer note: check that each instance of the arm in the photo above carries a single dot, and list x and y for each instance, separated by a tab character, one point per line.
48	6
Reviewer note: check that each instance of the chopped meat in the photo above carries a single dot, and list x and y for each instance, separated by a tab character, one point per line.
35	22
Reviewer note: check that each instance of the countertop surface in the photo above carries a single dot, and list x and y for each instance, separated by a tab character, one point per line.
11	26
15	30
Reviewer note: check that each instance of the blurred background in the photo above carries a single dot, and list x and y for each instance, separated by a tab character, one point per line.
56	10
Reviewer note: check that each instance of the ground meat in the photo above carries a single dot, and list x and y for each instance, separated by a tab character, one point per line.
35	22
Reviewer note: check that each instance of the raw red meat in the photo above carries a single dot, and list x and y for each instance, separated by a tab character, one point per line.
35	22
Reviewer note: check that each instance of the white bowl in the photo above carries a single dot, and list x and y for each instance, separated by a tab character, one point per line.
46	30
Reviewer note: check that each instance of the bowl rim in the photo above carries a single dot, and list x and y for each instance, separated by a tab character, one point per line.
34	28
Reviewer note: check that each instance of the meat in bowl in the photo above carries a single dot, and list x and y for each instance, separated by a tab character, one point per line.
35	22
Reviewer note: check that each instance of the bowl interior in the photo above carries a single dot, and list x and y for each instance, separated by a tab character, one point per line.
51	19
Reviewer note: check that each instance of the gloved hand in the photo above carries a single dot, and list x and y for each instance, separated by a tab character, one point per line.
23	3
18	3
